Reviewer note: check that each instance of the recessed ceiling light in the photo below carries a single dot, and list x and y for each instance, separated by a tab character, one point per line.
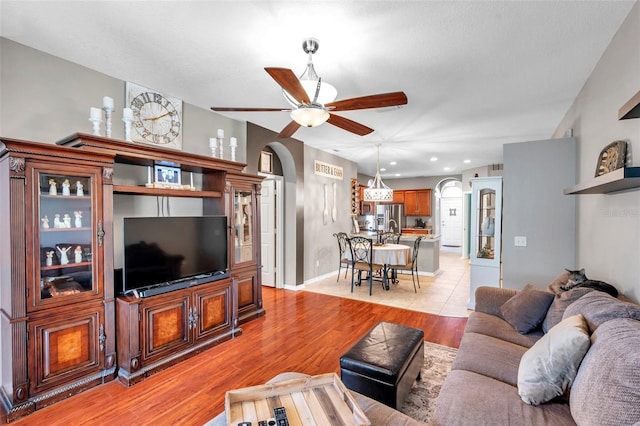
447	169
397	174
467	161
383	169
434	158
393	163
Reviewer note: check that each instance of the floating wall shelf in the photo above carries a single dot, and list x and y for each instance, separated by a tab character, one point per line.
631	109
617	180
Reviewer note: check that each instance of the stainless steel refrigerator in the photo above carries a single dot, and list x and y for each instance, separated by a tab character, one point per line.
390	217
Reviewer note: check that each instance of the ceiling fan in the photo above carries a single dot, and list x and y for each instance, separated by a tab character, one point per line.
313	101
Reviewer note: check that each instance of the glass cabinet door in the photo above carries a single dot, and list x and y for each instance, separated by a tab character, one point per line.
243	221
64	245
486	224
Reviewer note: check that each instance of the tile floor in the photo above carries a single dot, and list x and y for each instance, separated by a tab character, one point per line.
446	294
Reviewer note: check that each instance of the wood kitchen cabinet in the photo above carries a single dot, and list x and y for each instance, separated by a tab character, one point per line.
57	313
417	202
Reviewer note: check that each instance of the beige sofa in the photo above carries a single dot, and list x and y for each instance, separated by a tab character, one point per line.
482	388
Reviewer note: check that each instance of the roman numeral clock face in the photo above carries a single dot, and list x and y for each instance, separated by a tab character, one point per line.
157	119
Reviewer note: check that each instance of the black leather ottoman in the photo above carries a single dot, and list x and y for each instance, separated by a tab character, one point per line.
384	363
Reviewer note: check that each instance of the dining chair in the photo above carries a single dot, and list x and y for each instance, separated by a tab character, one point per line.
390	238
412	265
343	246
362	256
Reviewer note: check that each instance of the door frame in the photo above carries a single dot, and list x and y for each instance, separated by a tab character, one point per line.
279	221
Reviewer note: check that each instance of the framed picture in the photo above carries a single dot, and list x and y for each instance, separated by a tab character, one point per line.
266	162
169	175
611	158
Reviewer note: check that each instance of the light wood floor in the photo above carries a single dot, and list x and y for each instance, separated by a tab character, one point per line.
302	331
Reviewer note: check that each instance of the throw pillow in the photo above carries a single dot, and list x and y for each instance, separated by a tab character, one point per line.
560	303
598	307
606	390
548	368
526	310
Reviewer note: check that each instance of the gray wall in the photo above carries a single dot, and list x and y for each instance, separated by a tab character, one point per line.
608	225
533	206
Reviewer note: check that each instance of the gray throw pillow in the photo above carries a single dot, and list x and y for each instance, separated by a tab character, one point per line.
606	390
559	304
548	367
526	310
598	307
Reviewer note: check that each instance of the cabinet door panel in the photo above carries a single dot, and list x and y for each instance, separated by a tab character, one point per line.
213	307
65	346
164	326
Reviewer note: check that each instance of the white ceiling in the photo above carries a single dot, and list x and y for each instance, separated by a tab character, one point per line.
477	74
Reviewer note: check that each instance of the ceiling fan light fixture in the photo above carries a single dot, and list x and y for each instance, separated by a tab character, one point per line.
309	116
377	190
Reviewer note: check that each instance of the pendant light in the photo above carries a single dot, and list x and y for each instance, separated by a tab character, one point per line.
378	191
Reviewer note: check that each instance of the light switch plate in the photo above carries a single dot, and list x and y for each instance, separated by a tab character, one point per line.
520	241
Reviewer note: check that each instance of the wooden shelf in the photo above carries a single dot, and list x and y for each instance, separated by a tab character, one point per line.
163	192
631	109
617	180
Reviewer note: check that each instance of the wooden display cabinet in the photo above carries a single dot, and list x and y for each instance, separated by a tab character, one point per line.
57	312
243	210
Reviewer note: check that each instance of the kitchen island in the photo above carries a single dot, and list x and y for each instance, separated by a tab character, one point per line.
428	254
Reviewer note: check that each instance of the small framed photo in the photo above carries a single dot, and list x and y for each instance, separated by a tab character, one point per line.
266	162
168	175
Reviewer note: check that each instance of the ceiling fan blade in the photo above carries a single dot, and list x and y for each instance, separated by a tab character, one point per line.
249	109
290	83
349	125
371	101
288	131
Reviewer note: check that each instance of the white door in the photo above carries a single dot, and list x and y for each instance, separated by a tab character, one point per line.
451	215
268	232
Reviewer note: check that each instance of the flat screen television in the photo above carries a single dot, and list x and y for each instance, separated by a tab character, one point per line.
164	250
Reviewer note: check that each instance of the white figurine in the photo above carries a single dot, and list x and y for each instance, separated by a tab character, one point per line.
53	187
49	261
78	221
66	219
79	189
57	223
63	255
66	187
78	254
45	222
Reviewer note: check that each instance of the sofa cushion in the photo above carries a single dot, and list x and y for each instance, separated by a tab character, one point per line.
471	399
548	368
490	357
560	303
598	307
526	310
606	390
491	325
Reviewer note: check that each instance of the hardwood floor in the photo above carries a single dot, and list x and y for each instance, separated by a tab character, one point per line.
302	331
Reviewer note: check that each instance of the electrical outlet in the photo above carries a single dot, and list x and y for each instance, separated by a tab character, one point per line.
520	241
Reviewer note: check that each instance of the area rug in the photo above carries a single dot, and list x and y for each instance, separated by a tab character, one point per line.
421	401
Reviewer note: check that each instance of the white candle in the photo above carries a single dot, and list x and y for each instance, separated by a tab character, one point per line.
213	142
220	134
107	103
127	114
95	114
233	142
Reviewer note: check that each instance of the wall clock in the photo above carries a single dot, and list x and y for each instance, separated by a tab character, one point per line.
157	118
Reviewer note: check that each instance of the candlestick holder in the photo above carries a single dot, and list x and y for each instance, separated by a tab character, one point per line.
213	144
107	120
96	125
127	128
220	141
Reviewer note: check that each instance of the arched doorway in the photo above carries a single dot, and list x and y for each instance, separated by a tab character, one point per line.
450	220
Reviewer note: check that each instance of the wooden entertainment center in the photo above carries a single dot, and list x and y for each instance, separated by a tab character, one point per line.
61	317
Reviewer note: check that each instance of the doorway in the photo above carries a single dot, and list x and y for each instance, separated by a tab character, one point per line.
271	235
451	213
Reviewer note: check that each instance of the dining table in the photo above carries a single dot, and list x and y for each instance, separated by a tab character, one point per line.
388	255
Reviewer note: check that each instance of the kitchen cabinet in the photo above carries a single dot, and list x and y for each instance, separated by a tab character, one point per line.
417	202
57	309
365	207
486	234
